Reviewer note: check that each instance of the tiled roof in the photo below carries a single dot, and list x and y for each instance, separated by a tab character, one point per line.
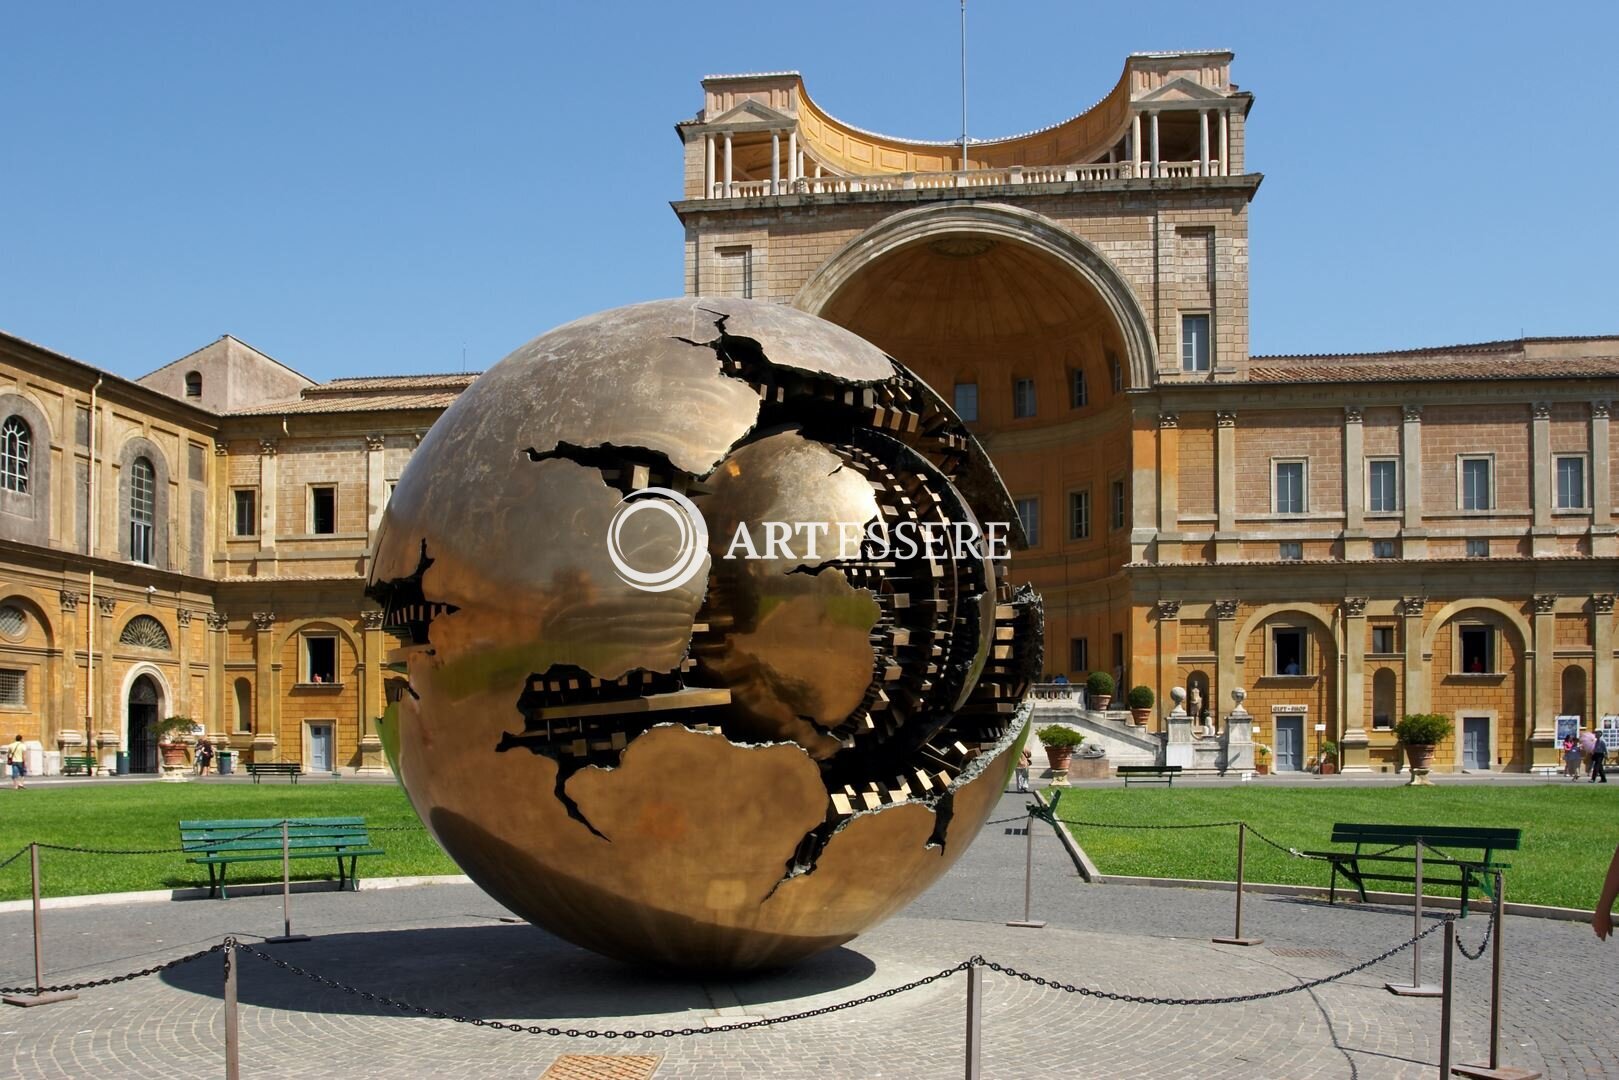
369	383
341	403
1523	358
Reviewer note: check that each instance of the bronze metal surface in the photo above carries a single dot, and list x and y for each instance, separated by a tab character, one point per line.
762	761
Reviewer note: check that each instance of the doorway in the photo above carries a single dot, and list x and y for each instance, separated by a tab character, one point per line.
1289	744
143	698
320	747
1476	743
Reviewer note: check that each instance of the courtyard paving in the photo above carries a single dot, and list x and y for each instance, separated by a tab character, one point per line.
447	947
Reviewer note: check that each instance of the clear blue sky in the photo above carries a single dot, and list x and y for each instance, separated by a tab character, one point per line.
361	188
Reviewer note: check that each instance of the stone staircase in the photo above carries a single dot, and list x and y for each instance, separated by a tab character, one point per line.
1125	743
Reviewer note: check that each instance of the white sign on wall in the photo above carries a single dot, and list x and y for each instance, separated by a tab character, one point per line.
1610	731
1279	709
1568	727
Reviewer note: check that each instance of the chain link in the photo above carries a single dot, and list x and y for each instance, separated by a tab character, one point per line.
17	855
592	1033
1116	825
1482	945
114	979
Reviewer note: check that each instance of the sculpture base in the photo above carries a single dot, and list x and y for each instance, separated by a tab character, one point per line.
1059	778
1419	778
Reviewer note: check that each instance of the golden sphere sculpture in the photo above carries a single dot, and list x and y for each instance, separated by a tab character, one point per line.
709	752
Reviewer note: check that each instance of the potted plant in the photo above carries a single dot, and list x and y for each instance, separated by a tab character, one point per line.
1329	758
1418	733
1261	759
1060	743
1099	689
1140	699
169	732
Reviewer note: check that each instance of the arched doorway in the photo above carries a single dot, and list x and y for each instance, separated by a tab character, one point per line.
1034	338
142	714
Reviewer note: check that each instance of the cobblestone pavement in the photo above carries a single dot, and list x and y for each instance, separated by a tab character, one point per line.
447	947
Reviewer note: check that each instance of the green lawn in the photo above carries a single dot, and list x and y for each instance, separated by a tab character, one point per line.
1569	830
125	815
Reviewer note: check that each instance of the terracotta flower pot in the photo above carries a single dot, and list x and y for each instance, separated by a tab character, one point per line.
1419	755
1328	768
1058	756
1141	716
173	753
1100	702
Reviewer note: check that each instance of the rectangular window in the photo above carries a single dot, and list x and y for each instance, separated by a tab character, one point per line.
13	688
1382	486
1118	651
320	656
1289	487
1287	649
1478	549
1115	371
1290	550
1477	490
1116	493
967	400
1194	342
1079	656
1382	549
1028	512
247	512
1477	648
1571	483
1078	393
1383	639
323	510
735	271
1079	515
1382	721
1022	399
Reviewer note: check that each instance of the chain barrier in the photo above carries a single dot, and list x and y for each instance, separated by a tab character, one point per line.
130	976
1116	825
20	852
205	846
1489	929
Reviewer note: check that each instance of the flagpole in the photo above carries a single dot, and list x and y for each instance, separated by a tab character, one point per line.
963	85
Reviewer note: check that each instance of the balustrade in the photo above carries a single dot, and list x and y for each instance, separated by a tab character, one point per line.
972	178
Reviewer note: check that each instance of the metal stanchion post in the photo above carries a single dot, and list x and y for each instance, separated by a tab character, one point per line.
38	997
1495	1070
286	897
975	1025
233	1042
1028	922
1236	937
1445	1001
1416	988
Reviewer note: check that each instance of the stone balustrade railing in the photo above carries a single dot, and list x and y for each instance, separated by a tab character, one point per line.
973	178
1067	693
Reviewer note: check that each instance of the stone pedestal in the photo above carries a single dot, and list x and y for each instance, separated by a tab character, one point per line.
1089	768
1178	748
1354	753
1239	741
372	760
106	753
263	748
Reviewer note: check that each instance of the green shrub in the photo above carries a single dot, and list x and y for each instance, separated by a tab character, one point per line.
1423	729
1100	683
1140	697
1329	749
1057	737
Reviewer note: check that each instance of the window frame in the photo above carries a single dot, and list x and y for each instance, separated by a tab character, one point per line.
1384	547
1584	505
955	401
313	522
1462	461
1273	667
16	455
22	688
307	660
1492	651
1079	649
1118	505
1189	364
1115	367
1282	547
193	384
1471	541
1393	639
1079	499
1024	408
1371	462
1032	534
1276	466
236	512
142	531
1079	390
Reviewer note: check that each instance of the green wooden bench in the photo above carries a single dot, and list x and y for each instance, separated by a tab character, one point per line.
291	769
1149	774
1451	855
73	766
217	844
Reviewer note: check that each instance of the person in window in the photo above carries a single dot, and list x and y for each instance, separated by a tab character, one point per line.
17	758
1475	666
1292	668
316	678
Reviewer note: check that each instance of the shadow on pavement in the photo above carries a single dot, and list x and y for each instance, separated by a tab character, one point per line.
507	972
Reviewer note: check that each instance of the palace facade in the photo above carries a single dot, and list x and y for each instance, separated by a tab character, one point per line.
1347	538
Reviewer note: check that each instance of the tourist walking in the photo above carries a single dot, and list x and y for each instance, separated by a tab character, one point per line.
205	755
1571	757
1599	757
17	759
1024	761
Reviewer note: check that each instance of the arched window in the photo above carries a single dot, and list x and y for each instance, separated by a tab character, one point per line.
1574	691
142	509
13	622
144	632
244	706
193	384
16	446
1383	699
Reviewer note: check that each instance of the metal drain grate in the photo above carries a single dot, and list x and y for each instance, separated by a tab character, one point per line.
1311	954
603	1067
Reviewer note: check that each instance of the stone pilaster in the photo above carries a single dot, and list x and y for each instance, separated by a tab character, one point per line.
1227	544
1413	537
1225	650
373	762
376	482
1416	669
1543	536
266	725
1604	534
1169	463
1543	704
1353	755
267	498
1356	546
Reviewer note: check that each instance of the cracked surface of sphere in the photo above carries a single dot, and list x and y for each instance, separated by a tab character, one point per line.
751	764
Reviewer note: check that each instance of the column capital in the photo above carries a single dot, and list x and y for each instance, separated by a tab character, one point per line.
182	617
221	448
70	600
1225	419
1412	606
1542	410
1413	414
1599	410
373	442
1602	603
1352	414
1168	420
267	447
1354	606
218	620
1168	609
263	621
1545	603
371	620
108	605
1225	609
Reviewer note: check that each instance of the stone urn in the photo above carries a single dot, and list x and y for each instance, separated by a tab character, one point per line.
1100	702
1419	756
1141	716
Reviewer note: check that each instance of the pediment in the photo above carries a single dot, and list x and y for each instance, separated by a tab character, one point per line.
752	112
1181	88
